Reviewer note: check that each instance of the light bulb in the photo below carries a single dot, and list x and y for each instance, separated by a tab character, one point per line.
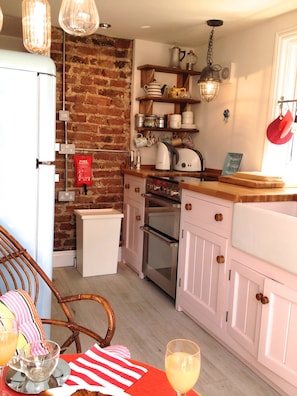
1	19
209	90
36	22
79	17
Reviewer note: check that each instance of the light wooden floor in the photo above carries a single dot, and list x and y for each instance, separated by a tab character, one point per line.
147	320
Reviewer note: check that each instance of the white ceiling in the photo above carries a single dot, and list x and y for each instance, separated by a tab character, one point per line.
170	21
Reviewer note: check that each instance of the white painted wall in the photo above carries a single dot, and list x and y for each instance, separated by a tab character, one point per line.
247	96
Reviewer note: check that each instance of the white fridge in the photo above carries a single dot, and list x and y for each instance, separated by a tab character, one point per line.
27	152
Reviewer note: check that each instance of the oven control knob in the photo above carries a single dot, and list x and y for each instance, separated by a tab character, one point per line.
174	193
156	188
183	165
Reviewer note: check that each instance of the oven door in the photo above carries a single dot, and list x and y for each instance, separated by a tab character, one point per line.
161	232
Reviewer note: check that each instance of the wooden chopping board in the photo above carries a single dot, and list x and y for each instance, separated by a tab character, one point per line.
245	182
257	176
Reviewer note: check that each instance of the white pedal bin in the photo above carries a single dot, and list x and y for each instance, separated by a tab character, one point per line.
97	241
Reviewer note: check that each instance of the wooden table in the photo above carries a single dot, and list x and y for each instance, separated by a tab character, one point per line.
153	383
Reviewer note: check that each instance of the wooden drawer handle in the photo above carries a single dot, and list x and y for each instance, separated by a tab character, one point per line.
259	296
137	189
127	186
138	218
218	217
220	259
188	206
263	299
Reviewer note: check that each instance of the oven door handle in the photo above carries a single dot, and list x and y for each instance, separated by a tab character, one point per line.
170	242
163	202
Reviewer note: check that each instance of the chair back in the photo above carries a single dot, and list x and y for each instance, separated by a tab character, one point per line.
18	270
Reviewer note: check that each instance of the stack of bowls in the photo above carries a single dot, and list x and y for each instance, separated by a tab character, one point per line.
188	120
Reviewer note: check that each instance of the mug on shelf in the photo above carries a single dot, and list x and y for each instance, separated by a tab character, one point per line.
140	140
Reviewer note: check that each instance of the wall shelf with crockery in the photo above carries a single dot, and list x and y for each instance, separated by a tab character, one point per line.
182	81
173	130
147	102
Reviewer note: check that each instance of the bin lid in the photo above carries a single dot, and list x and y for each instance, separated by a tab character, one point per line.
98	213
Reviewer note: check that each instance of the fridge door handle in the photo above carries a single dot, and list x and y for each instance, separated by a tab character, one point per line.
43	163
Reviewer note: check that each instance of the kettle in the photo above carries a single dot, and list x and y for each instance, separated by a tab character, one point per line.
154	89
164	160
191	60
177	55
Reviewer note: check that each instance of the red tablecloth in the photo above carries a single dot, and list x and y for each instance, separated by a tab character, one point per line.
153	383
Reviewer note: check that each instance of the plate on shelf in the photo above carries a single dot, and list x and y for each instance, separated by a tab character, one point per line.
17	380
188	126
68	390
232	163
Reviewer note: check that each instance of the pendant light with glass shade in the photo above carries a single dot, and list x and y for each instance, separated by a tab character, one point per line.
1	19
36	23
209	82
79	17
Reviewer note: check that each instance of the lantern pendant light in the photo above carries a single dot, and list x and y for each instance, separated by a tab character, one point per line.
36	22
1	19
79	17
209	82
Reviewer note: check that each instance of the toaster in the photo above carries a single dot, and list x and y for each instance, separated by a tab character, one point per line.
189	160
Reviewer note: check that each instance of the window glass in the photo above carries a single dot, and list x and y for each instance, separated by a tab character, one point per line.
282	159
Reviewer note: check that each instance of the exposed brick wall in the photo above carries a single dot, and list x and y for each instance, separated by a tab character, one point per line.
97	94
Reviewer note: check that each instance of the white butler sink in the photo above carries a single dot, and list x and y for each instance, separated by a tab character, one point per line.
267	230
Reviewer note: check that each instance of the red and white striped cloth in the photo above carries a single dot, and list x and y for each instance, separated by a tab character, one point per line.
18	304
102	368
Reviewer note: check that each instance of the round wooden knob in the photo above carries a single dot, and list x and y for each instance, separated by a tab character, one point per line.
259	296
218	217
220	259
137	189
138	217
127	186
264	300
188	206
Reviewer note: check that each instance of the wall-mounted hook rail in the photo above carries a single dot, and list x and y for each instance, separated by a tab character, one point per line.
287	101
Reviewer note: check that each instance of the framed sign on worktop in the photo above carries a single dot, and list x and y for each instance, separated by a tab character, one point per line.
232	163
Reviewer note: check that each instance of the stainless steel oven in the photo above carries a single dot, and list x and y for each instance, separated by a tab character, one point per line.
161	233
161	229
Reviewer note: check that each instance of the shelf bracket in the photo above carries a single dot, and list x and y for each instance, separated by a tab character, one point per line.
147	77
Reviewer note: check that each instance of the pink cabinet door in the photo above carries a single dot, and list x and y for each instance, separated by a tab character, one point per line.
244	312
278	339
202	266
132	235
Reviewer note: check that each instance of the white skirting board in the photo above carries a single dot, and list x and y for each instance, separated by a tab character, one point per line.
67	258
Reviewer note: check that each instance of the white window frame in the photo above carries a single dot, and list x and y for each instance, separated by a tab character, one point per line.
282	159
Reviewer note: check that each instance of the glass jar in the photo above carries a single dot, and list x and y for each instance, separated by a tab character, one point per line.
139	119
150	121
161	122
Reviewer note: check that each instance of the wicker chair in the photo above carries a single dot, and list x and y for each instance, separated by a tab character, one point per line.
19	269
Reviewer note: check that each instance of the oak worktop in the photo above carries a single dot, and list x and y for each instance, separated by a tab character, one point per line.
230	192
149	170
235	193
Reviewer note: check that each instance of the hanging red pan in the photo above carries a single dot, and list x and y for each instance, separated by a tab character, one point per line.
279	131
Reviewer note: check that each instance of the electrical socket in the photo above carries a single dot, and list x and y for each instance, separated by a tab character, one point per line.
67	149
66	196
64	115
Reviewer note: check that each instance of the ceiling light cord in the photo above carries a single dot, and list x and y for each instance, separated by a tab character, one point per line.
209	82
210	48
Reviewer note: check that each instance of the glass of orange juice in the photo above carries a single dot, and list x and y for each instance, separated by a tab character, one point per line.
8	344
182	365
